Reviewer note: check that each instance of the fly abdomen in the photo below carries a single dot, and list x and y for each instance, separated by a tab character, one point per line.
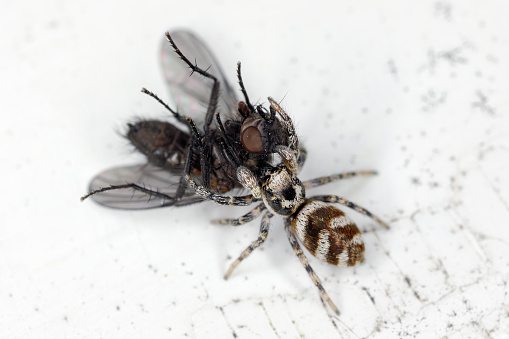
328	234
163	143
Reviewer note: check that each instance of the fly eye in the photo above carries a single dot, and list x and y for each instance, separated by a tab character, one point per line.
251	138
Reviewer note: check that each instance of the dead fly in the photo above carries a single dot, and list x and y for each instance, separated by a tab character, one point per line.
240	155
198	139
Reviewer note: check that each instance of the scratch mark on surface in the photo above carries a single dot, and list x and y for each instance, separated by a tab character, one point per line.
431	251
495	190
369	295
227	322
409	283
343	324
268	318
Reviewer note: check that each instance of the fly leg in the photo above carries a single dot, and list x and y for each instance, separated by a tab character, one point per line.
134	187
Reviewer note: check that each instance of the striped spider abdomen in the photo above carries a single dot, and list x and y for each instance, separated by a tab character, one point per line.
328	234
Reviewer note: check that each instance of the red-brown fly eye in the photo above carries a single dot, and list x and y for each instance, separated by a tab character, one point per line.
252	139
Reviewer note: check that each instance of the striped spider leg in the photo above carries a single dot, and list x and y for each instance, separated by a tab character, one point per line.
327	232
220	199
335	177
238	201
247	178
248	217
347	203
262	236
323	229
305	262
335	199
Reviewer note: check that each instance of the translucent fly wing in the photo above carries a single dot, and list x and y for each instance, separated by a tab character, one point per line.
147	176
192	93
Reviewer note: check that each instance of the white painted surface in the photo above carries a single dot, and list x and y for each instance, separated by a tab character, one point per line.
415	90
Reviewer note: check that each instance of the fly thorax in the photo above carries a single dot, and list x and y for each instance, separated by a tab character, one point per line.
283	192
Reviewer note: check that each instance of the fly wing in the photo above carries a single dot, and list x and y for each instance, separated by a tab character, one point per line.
147	176
192	92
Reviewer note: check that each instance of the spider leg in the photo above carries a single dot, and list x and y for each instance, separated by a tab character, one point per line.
264	232
219	198
250	216
304	261
347	203
335	177
288	124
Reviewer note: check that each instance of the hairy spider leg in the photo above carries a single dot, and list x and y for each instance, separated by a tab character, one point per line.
304	261
335	177
220	199
347	203
262	236
248	217
288	124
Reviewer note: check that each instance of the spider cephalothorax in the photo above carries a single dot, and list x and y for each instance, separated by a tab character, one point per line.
282	191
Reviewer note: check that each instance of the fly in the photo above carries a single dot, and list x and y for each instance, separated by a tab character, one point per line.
249	136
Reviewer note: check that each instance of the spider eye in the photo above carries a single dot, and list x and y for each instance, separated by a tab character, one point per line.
251	138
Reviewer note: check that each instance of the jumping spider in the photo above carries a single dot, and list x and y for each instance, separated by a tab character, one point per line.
193	166
323	229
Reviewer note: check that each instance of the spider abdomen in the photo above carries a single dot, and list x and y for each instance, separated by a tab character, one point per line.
328	234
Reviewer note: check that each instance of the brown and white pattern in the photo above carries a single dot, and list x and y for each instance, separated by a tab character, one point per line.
322	228
329	234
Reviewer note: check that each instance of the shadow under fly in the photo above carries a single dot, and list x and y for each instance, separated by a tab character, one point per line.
212	158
